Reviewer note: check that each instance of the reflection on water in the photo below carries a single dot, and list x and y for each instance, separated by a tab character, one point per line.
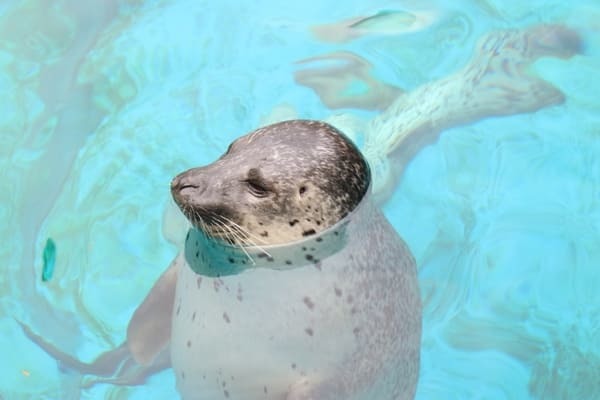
103	105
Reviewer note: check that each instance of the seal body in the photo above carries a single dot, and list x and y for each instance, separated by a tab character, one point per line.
333	314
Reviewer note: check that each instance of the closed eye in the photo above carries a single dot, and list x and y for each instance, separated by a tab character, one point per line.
256	188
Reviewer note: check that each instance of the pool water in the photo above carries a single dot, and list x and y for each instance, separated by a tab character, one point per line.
102	105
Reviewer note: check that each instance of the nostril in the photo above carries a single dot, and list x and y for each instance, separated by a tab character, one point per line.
185	185
188	186
181	182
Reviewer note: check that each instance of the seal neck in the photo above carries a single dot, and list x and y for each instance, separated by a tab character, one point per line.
210	257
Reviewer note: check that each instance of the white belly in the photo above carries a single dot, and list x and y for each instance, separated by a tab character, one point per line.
253	335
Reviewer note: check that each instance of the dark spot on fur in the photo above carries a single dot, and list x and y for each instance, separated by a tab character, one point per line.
338	292
189	343
231	260
355	331
199	282
308	219
303	248
187	236
312	249
264	234
226	393
293	222
182	375
309	303
309	257
226	317
288	262
293	365
266	390
194	316
262	255
178	309
349	299
197	254
309	232
319	239
353	310
309	331
318	222
270	259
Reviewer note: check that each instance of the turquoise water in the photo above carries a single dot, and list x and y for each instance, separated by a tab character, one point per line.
103	105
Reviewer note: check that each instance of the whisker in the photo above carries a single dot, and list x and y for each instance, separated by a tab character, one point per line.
236	239
241	230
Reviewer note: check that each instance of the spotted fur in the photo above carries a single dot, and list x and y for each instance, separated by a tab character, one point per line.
294	284
277	184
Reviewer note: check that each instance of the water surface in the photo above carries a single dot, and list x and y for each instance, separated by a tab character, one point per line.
103	104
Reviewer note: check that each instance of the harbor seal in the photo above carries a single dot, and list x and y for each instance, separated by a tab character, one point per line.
292	284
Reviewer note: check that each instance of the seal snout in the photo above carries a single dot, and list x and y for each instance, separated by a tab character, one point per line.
186	185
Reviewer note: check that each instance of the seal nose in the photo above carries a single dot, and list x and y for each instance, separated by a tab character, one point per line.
185	185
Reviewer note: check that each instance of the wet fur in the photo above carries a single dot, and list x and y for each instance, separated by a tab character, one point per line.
312	176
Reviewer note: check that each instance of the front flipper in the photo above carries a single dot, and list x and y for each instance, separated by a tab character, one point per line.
146	351
149	330
116	366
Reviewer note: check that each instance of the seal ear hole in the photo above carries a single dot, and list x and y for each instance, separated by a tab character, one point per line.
302	190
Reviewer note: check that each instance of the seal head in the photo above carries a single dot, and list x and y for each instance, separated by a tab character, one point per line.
277	184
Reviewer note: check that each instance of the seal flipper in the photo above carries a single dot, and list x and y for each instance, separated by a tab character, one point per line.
106	364
146	350
496	82
115	367
149	330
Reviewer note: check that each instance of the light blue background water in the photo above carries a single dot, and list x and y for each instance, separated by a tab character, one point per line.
102	105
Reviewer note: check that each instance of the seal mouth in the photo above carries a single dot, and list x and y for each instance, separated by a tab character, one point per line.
217	224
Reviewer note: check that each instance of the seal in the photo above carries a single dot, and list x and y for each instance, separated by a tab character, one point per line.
293	285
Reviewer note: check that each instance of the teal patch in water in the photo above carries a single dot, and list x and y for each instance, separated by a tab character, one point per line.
49	257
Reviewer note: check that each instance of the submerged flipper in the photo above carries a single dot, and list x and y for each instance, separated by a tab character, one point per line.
496	82
146	350
149	330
